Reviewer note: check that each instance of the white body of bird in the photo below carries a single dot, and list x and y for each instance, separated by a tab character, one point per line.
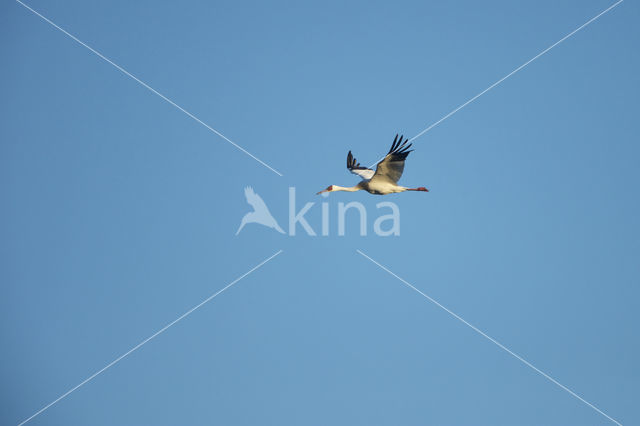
384	180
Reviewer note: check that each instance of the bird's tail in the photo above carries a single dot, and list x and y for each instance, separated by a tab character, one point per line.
241	225
277	228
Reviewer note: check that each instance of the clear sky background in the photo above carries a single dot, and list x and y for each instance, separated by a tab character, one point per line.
119	213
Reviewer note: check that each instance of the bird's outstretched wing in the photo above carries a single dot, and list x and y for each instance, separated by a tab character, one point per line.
355	168
254	200
391	167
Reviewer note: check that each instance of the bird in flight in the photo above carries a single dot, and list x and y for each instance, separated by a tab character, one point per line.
260	213
385	178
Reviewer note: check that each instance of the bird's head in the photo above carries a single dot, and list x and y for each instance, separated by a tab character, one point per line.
329	189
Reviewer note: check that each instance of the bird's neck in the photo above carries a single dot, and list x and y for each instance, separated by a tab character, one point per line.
345	188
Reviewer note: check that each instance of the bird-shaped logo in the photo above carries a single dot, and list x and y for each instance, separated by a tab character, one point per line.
260	213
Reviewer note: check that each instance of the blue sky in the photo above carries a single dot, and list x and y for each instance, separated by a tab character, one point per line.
119	213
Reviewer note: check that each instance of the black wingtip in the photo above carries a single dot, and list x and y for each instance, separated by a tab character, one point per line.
400	148
399	145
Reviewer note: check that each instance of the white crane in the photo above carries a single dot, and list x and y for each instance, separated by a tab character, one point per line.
385	178
260	213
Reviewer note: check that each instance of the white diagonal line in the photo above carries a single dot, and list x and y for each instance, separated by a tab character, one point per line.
136	347
500	345
127	73
517	69
510	74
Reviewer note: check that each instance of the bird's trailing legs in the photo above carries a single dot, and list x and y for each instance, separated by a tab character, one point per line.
422	188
